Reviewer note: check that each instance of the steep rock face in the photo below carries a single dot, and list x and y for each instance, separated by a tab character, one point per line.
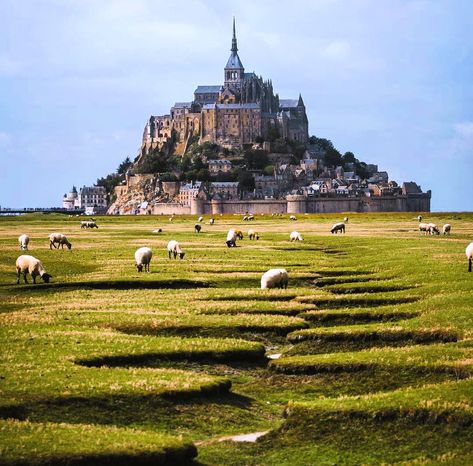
139	192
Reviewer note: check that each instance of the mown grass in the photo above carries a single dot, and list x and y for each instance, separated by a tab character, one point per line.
107	365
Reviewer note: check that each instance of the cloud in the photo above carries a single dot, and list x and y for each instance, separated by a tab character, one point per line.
464	129
337	50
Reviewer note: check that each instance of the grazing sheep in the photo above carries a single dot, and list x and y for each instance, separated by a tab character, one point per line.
28	264
200	219
245	218
338	227
143	258
419	217
251	217
434	229
212	221
197	228
293	218
175	249
252	234
446	229
24	240
345	219
60	239
469	255
424	228
275	278
171	219
88	224
158	230
295	236
232	236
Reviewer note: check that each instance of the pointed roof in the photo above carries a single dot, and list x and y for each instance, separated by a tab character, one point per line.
234	61
300	103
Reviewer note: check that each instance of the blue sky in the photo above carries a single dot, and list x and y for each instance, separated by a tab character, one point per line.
390	80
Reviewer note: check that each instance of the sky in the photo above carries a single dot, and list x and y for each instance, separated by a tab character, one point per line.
389	80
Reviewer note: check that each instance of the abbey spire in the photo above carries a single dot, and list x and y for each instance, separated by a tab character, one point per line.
234	71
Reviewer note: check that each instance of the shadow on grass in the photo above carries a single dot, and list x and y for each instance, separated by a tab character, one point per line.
322	303
123	410
113	285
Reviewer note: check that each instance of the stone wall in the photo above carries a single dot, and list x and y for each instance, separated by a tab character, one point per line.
299	205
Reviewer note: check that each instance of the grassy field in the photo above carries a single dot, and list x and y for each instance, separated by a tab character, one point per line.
366	358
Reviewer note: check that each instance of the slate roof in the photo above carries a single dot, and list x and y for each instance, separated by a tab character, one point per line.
182	104
231	106
288	103
207	89
234	62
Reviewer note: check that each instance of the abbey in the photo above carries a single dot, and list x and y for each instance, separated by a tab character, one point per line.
243	110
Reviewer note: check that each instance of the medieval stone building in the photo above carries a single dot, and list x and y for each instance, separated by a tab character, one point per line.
241	111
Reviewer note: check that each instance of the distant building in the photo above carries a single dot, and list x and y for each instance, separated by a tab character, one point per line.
219	166
225	189
93	197
70	200
189	191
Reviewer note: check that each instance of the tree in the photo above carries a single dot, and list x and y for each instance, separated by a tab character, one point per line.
273	134
269	170
246	180
256	159
349	157
154	162
333	158
280	145
124	166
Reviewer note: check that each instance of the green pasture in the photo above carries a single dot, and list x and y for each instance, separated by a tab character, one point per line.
366	358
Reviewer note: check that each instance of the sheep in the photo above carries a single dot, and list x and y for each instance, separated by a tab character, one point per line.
28	264
24	240
175	249
293	218
345	219
424	228
232	236
469	255
212	221
251	217
143	258
88	224
275	278
197	228
171	219
252	234
446	229
419	218
338	227
295	236
158	230
60	239
434	229
245	218
200	219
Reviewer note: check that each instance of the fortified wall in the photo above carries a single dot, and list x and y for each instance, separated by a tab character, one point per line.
295	204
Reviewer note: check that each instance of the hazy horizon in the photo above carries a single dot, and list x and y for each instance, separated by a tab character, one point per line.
390	81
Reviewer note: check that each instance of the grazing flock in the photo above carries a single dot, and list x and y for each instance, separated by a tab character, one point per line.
273	278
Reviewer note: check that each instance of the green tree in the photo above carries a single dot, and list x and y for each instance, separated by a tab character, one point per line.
349	157
246	180
256	159
124	166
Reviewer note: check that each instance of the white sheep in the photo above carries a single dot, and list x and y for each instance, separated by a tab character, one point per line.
200	219
143	258
345	219
293	218
28	264
212	221
424	228
338	227
469	255
446	229
252	234
197	228
275	278
419	217
60	239
251	217
434	229
295	236
232	236
158	230
88	224
24	240
171	219
175	249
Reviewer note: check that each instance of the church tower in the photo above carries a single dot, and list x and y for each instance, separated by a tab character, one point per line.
234	71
